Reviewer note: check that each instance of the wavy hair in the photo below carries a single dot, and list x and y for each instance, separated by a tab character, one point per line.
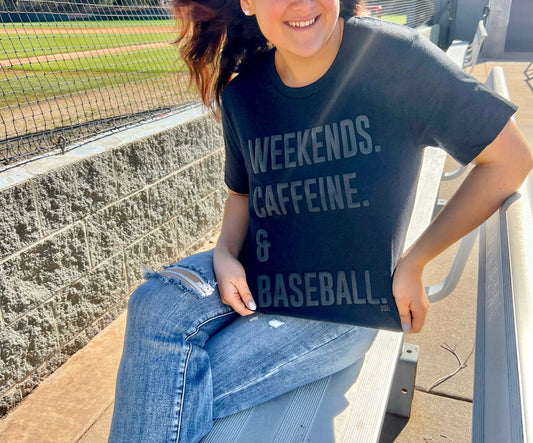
216	41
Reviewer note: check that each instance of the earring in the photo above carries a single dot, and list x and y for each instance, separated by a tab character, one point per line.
246	12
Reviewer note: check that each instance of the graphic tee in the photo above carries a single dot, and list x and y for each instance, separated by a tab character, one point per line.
331	168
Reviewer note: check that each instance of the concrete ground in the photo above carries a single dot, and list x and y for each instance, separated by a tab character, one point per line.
75	403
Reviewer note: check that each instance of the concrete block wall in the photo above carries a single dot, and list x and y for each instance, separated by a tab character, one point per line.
77	229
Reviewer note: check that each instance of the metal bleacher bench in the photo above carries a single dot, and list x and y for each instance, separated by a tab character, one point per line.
350	406
503	383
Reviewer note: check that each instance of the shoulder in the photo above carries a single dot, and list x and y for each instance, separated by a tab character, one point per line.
380	28
380	35
382	44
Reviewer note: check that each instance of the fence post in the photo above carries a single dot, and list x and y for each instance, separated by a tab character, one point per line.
497	22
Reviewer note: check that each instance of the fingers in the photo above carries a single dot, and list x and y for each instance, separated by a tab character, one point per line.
412	314
237	295
418	314
410	296
405	319
232	285
246	296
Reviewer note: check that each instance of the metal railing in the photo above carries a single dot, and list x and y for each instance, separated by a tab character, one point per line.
503	386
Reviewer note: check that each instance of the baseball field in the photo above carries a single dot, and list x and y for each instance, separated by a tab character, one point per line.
82	56
64	74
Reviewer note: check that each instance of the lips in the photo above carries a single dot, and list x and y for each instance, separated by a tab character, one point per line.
301	23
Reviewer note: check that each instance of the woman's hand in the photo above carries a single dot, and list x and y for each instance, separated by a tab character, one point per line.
231	277
232	285
410	295
499	170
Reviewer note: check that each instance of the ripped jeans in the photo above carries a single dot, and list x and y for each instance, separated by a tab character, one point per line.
189	359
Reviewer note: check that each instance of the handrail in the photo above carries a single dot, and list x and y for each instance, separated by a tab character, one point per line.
438	291
445	287
503	387
520	234
454	174
503	393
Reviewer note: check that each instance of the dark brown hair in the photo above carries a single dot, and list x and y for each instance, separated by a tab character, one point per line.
217	40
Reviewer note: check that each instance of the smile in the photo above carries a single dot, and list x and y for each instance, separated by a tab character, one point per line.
302	24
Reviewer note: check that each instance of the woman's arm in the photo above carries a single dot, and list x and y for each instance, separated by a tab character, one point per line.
231	278
499	171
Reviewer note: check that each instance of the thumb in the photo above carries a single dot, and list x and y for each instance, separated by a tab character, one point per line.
245	294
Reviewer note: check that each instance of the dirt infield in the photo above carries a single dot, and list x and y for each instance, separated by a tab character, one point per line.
78	54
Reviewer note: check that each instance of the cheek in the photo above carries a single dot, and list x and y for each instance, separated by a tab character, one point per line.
269	11
270	25
332	6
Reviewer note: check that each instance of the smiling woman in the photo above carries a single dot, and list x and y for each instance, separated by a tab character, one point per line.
325	116
245	40
307	36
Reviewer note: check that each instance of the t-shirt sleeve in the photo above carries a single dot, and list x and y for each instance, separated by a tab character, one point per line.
450	109
235	174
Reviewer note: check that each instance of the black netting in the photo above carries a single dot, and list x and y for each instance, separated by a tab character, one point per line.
71	69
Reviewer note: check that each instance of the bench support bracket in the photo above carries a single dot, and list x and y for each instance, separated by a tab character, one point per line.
403	386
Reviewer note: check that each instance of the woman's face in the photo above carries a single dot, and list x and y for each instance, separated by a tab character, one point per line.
299	28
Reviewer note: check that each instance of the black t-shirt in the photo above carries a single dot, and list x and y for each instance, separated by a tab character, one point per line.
331	168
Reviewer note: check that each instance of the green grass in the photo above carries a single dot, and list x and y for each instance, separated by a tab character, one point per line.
38	86
156	61
30	82
40	44
88	24
400	19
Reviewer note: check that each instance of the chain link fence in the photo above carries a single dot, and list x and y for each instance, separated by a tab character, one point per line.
406	12
73	69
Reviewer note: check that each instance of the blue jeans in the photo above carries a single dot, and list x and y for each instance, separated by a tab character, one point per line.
189	359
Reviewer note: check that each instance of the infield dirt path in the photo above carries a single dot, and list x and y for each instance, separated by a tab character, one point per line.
78	54
116	30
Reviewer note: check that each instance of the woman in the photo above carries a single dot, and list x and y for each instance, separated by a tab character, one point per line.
324	127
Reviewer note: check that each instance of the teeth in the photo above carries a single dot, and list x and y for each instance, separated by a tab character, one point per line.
302	24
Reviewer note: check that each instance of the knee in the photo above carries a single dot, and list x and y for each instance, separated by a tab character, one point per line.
149	305
164	305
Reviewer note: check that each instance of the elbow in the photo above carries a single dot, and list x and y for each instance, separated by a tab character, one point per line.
508	170
514	154
524	162
521	153
518	167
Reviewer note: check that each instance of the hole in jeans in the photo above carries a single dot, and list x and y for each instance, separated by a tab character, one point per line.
189	278
275	323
